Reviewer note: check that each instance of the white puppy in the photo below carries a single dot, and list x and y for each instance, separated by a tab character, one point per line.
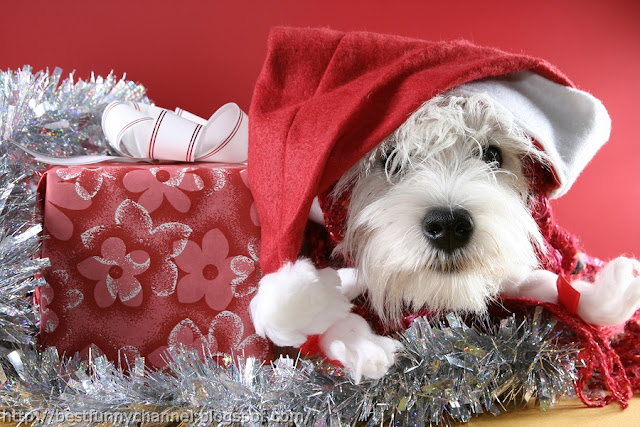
439	218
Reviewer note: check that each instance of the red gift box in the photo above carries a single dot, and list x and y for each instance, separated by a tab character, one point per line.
145	257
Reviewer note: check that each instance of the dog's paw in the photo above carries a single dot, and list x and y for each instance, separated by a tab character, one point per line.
352	342
297	301
614	295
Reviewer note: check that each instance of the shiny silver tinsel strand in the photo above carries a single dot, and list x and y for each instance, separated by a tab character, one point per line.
447	371
53	116
59	117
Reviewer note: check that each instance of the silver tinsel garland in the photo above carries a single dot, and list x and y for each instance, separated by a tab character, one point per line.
447	372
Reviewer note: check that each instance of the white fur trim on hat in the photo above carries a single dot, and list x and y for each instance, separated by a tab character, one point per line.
297	301
571	125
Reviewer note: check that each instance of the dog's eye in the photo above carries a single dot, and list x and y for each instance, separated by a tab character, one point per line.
389	163
492	156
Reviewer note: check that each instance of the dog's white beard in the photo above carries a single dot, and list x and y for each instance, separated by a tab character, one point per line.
400	268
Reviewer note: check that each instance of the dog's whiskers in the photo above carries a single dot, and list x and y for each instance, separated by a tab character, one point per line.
449	264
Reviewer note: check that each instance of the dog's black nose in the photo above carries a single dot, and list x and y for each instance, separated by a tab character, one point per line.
448	229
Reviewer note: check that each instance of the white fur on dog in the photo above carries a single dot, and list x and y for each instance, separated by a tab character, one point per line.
297	301
434	160
351	341
437	155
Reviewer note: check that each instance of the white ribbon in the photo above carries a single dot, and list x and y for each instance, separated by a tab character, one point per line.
146	131
139	132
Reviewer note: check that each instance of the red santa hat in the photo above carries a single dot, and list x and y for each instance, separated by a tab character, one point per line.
326	98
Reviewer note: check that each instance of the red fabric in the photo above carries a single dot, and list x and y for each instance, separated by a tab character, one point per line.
626	346
325	98
564	255
311	347
143	257
567	295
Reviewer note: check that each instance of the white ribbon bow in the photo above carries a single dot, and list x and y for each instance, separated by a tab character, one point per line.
146	131
143	132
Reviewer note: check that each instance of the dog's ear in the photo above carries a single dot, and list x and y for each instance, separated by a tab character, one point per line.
570	125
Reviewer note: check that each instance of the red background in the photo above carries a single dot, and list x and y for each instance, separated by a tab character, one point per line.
201	54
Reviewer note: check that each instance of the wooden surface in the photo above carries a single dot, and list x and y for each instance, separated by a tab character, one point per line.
565	413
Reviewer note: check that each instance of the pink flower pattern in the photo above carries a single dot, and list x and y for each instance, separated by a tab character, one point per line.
73	196
48	318
155	184
56	221
88	180
253	210
71	297
74	298
116	266
224	337
167	241
116	272
212	274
